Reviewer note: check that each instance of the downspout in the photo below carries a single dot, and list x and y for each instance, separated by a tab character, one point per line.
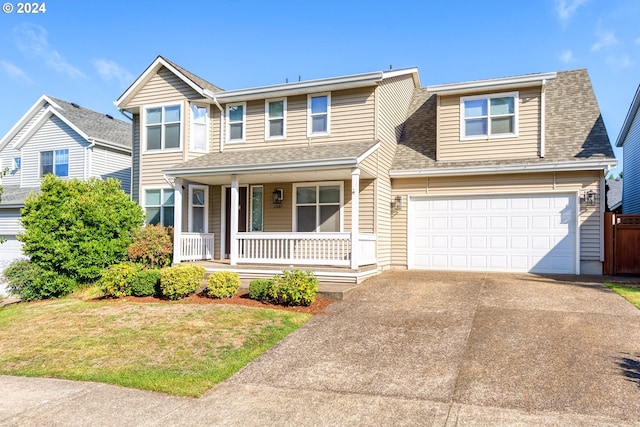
215	101
542	118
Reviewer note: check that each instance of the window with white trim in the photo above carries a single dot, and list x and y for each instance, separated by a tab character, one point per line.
198	196
317	207
275	118
489	116
55	162
17	163
158	204
199	127
257	201
318	114
162	127
236	121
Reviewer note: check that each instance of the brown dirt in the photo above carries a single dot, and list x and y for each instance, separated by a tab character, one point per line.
241	298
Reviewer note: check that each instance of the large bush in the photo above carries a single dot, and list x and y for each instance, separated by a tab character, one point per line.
30	282
78	228
181	280
152	245
294	287
222	284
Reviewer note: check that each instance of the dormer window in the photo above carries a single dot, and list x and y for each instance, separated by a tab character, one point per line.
489	116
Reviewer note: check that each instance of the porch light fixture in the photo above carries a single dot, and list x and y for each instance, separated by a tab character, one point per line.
278	196
590	197
398	202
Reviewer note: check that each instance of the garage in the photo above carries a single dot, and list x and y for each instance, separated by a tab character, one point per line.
534	233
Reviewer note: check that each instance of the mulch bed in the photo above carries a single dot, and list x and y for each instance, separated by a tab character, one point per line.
241	298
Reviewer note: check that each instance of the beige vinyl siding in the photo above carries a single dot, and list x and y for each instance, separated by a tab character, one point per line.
163	86
589	216
394	98
151	166
525	145
215	209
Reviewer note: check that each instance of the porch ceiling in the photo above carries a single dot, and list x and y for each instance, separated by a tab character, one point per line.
271	177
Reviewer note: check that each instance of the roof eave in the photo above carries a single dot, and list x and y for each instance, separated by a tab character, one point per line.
631	114
505	83
504	169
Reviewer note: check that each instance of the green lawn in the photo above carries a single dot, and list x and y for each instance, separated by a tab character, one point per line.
631	292
176	348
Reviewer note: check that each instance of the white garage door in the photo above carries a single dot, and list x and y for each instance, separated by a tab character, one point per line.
518	233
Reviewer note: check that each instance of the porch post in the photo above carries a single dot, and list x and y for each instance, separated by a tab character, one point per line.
355	218
177	220
233	242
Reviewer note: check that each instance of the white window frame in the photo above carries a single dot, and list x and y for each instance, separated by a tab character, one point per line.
143	124
16	164
53	159
250	213
488	97
161	206
193	125
244	123
267	120
318	184
310	133
206	206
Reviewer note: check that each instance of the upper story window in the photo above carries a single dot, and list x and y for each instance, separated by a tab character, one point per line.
55	162
162	126
489	116
318	114
17	163
199	127
275	118
236	121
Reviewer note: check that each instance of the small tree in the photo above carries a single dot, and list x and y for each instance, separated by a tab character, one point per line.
78	228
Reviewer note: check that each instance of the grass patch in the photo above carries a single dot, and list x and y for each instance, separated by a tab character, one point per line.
181	349
630	292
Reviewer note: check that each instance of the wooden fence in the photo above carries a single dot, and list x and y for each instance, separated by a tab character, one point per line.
621	244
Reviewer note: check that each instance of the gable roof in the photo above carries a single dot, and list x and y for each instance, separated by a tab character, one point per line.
631	115
95	127
614	195
576	137
14	196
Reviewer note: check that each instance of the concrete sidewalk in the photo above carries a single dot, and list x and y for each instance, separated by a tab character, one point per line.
406	348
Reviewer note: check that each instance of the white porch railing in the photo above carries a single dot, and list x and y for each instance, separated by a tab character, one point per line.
304	248
196	246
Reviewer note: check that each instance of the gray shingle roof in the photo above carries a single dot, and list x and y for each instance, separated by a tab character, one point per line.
197	80
278	155
96	125
614	195
14	195
575	130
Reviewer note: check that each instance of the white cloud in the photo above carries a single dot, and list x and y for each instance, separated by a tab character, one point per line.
14	72
620	61
33	40
605	39
110	70
566	8
567	56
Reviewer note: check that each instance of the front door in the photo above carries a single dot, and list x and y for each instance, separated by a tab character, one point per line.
242	216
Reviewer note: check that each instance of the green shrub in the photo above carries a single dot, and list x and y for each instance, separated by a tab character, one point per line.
78	228
146	283
30	282
260	289
180	280
222	284
151	245
116	280
294	287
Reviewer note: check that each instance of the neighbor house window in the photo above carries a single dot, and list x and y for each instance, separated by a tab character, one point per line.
16	163
489	116
198	195
317	207
275	116
55	162
257	199
318	114
158	204
199	126
162	126
236	118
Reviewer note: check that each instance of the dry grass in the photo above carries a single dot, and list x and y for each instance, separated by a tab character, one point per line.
182	349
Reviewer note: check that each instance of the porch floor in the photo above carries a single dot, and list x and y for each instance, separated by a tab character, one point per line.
335	283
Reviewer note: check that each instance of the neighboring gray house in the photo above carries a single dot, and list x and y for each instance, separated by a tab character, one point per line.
62	138
629	140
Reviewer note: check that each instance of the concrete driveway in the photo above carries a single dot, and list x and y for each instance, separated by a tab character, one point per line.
406	348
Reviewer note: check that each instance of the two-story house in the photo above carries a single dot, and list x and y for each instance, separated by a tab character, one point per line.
62	138
629	140
356	174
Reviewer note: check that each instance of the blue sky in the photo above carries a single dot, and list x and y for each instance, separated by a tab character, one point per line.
89	52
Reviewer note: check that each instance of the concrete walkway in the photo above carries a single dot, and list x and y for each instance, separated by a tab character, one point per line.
406	348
